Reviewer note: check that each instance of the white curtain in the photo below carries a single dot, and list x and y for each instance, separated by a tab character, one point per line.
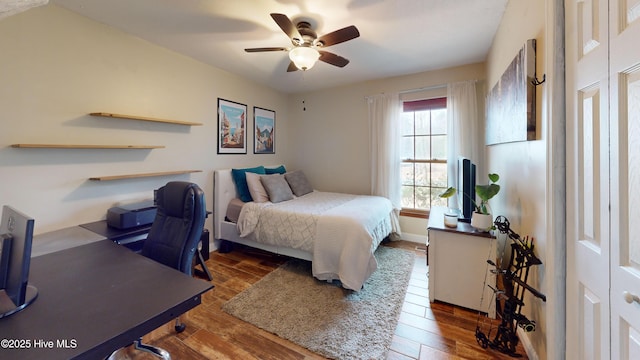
463	132
384	133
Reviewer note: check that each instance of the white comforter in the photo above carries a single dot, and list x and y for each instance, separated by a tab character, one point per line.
342	231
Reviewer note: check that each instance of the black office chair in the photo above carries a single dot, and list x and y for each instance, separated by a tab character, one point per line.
176	230
174	236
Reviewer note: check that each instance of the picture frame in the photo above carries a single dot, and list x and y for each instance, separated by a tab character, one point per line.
264	126
232	119
511	104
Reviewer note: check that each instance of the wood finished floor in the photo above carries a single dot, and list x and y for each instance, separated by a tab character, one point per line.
425	330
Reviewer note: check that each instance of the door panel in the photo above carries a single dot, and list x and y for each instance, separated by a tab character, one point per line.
625	176
587	179
590	315
589	34
589	167
634	342
591	240
603	156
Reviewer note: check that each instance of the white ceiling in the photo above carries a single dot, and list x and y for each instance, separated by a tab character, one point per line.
397	37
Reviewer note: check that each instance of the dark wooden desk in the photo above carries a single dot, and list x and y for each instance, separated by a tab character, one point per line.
94	299
115	234
139	234
121	236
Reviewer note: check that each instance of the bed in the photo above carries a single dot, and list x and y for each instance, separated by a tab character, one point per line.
338	233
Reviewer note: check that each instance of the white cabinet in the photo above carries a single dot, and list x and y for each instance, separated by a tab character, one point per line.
458	264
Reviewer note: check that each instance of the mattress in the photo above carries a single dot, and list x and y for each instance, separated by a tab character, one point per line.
342	231
233	210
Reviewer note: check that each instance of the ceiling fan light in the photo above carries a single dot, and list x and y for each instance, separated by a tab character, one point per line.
304	57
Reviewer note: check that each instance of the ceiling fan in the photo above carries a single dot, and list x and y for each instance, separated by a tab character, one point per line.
307	46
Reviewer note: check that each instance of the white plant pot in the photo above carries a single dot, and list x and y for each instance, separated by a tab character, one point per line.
481	222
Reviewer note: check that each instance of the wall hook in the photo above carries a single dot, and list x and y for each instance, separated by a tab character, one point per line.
537	82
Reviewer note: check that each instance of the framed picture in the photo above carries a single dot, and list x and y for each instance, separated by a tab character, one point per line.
232	119
265	131
511	104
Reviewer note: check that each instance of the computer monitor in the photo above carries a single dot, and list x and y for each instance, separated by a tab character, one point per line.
16	236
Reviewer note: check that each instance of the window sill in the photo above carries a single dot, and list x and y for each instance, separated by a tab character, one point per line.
420	214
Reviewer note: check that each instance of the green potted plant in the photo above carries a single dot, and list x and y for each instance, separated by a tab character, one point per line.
481	218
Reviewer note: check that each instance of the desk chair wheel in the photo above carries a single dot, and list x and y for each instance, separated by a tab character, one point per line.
180	326
140	346
158	352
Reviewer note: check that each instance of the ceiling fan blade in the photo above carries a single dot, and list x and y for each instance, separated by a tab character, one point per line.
265	49
292	67
338	36
286	25
333	59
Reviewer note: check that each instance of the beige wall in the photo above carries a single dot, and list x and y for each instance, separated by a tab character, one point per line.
56	67
522	166
332	134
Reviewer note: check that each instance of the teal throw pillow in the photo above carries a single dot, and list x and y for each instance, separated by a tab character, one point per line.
240	178
279	170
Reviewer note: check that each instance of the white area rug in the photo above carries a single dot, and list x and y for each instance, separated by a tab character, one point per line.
326	318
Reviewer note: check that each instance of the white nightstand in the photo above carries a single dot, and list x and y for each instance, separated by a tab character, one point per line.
457	259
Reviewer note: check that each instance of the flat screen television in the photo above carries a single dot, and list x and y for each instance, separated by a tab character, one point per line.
16	236
466	188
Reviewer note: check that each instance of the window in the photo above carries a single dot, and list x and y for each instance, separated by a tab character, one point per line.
424	154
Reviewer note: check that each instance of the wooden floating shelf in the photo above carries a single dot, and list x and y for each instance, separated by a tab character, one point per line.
76	146
133	176
144	118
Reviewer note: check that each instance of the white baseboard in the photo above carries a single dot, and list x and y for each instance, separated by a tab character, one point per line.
420	239
415	238
526	344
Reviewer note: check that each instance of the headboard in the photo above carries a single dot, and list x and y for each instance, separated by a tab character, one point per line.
224	190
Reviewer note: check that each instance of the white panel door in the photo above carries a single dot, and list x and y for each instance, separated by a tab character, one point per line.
624	41
587	179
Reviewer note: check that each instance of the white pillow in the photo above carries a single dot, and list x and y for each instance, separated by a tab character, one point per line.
257	191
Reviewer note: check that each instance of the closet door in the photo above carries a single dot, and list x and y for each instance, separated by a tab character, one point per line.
588	240
624	32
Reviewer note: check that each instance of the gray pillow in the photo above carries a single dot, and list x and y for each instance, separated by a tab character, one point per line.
298	182
276	187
